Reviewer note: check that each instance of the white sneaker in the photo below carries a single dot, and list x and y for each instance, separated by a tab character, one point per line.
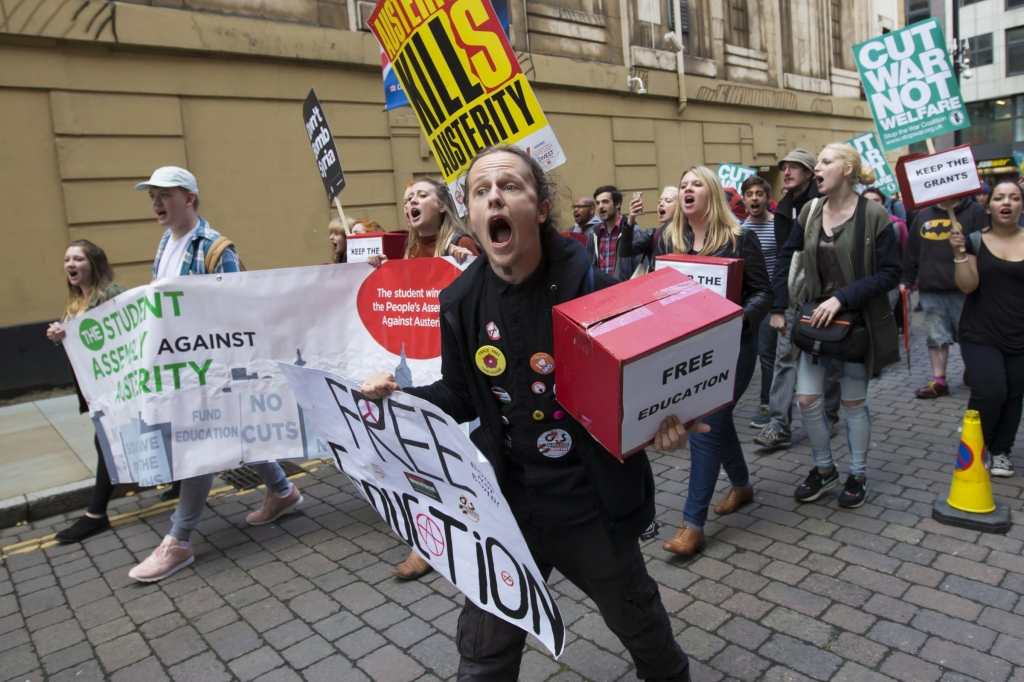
1001	466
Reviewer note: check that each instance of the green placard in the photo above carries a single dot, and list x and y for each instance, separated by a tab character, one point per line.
871	155
910	84
733	176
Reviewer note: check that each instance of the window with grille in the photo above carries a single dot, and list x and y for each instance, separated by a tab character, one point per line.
738	25
980	50
837	33
1015	51
917	10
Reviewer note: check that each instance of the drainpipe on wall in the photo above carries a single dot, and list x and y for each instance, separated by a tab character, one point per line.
624	23
680	62
526	26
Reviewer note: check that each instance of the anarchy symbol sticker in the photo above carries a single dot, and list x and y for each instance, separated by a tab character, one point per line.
430	534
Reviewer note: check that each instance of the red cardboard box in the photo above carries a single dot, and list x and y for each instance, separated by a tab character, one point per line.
362	246
724	276
631	355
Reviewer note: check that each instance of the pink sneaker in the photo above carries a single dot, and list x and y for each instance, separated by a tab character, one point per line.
275	507
167	559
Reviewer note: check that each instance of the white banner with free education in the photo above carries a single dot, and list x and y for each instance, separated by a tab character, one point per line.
182	376
423	475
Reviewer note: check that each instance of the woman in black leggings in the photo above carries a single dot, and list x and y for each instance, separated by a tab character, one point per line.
990	270
90	282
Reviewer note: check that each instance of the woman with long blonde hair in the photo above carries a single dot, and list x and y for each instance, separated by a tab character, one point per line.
832	233
435	228
704	225
90	281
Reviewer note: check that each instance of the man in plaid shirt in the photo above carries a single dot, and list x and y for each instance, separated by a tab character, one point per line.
603	243
175	199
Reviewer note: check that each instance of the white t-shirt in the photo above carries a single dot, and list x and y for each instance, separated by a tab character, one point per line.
174	252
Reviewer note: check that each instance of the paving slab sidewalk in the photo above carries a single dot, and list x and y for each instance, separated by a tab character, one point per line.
782	591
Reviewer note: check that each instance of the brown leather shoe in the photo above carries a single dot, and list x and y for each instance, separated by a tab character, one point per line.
685	542
412	568
734	499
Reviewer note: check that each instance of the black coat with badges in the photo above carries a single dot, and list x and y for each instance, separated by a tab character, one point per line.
624	491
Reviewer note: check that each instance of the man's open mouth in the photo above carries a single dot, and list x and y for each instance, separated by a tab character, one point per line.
161	214
499	230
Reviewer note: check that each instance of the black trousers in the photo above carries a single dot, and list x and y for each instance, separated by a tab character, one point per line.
627	597
997	393
104	488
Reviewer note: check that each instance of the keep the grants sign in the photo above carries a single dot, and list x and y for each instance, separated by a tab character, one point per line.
463	81
930	178
423	475
910	84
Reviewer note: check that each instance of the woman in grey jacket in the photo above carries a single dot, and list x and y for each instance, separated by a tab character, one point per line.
828	246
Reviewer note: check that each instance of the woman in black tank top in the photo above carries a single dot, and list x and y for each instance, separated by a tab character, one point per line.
990	270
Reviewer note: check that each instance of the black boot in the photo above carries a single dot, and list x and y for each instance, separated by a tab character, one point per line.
171	493
83	528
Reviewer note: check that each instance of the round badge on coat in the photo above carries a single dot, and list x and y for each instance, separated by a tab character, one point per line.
554	443
490	360
538	415
502	395
542	363
539	387
492	331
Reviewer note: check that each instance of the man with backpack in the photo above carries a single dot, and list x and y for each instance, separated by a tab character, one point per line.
797	177
191	247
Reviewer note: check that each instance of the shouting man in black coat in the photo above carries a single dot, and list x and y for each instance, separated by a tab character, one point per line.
580	510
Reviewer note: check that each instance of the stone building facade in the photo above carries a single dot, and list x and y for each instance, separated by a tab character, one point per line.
94	95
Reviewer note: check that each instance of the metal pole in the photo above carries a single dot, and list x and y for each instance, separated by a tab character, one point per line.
958	136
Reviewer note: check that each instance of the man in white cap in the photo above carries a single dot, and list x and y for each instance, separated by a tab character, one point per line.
183	251
798	178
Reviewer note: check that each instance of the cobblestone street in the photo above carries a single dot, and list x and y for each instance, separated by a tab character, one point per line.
782	591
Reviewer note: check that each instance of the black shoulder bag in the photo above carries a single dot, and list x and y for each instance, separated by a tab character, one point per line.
846	338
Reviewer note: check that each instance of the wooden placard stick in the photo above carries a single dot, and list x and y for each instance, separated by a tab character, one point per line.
341	214
954	226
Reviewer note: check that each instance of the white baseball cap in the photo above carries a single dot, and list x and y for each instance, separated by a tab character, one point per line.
171	176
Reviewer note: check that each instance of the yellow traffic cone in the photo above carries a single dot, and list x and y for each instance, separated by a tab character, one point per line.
970	503
971	490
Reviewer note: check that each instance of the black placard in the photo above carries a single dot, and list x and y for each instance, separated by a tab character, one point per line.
322	142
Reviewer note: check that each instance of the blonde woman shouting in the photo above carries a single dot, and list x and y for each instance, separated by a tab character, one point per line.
852	260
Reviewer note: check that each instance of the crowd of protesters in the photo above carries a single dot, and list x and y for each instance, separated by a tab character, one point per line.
831	246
